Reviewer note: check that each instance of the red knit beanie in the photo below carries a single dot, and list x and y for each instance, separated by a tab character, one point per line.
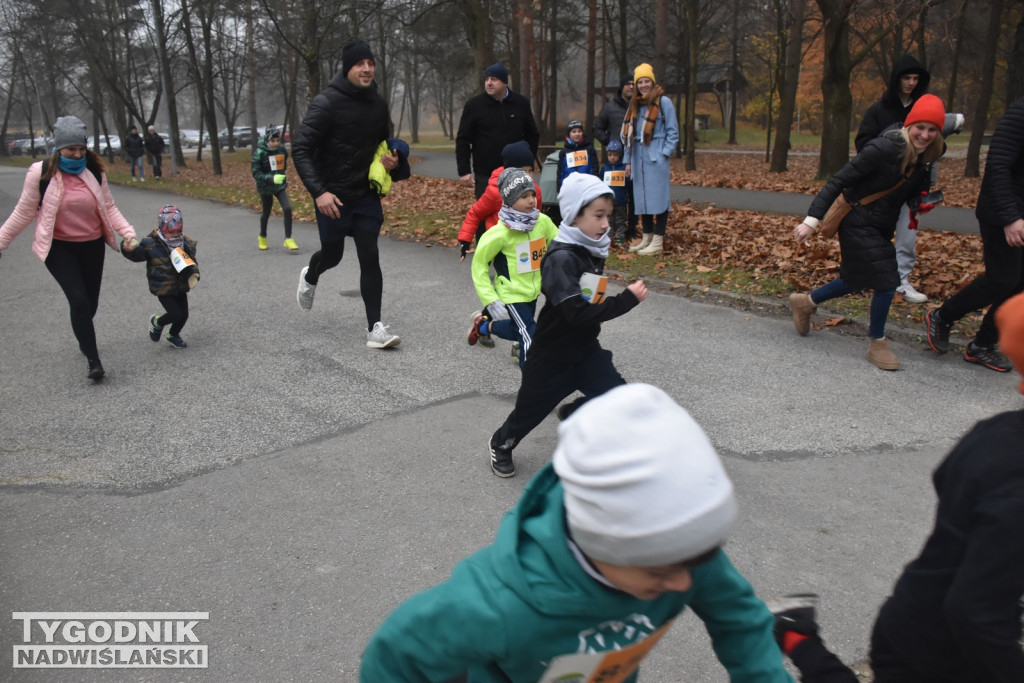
927	109
1010	322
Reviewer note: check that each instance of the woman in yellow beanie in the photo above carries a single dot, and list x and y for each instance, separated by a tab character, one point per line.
896	164
649	135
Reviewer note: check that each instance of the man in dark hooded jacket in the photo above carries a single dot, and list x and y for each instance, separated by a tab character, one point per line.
908	81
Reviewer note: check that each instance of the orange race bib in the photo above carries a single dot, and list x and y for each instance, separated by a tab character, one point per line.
615	178
593	287
276	162
529	255
574	159
601	667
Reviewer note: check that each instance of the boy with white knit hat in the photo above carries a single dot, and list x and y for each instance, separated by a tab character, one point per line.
566	355
606	547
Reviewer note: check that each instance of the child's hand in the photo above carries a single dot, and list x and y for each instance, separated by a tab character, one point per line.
129	244
639	290
463	250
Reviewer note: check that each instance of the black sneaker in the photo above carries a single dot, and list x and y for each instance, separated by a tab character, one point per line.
155	328
176	341
96	371
501	461
991	357
937	330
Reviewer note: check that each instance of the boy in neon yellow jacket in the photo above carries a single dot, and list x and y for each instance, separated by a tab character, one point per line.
515	247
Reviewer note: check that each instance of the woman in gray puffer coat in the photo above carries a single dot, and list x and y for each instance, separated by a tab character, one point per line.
900	159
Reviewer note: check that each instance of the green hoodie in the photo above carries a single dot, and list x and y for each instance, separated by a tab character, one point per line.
508	610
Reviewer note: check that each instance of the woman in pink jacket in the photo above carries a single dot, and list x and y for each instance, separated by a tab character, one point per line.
74	213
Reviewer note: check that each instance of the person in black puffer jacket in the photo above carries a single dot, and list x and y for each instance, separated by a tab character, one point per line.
1000	214
900	159
332	151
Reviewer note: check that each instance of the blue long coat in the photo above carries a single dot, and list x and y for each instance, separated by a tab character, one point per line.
650	163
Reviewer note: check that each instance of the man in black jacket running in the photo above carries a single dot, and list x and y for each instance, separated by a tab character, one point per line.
333	149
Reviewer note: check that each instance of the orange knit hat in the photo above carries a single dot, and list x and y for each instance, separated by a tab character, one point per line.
927	109
1010	322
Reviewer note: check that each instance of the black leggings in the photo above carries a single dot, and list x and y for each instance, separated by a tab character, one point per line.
655	224
267	201
371	279
1003	277
78	269
176	316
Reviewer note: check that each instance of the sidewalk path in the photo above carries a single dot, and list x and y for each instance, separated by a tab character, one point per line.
438	164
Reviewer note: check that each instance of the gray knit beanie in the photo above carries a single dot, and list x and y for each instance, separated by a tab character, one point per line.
513	183
69	131
643	487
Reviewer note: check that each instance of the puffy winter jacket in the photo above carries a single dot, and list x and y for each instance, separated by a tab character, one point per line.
889	109
164	279
338	136
487	125
865	235
1001	200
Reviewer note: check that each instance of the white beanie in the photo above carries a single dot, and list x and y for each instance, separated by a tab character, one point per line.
643	485
578	190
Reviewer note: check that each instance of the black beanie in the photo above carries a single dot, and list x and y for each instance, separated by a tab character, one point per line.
352	54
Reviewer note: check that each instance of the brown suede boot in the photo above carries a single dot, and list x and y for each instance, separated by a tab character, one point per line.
802	306
881	357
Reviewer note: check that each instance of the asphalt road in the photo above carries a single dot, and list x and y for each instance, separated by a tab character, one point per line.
297	485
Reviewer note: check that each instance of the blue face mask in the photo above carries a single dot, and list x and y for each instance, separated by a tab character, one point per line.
72	166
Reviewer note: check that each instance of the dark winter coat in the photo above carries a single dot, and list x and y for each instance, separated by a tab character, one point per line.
487	125
890	110
955	611
865	235
164	280
337	139
608	123
154	144
266	164
134	147
1001	200
564	171
568	325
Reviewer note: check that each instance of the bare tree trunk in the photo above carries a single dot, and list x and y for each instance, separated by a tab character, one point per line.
788	88
661	40
692	38
588	122
1015	65
177	158
553	83
250	64
733	69
837	102
984	96
954	71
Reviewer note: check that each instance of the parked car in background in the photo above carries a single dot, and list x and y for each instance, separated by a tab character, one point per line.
115	144
243	136
24	145
190	137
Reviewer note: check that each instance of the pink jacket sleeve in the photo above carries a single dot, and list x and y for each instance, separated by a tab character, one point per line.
26	208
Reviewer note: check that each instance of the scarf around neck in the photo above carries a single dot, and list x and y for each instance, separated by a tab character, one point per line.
573	235
518	220
653	102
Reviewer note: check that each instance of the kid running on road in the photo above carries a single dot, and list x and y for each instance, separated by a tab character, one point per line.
566	355
269	163
606	547
171	269
515	247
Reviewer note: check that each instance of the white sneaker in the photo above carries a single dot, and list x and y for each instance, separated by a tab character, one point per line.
380	338
306	291
911	295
